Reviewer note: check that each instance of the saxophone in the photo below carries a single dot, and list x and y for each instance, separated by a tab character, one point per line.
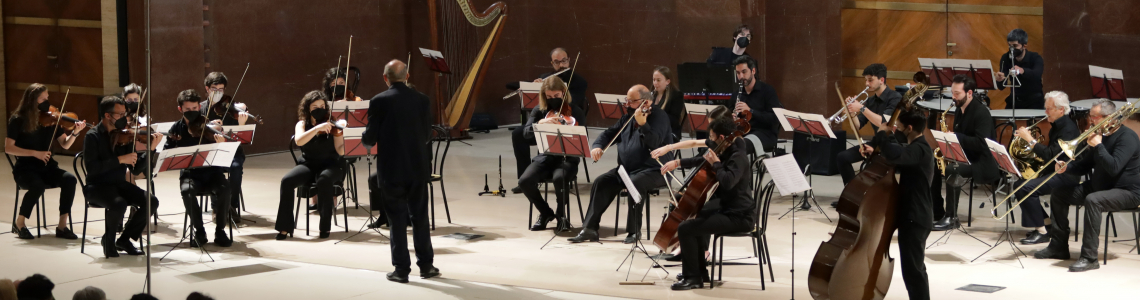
938	151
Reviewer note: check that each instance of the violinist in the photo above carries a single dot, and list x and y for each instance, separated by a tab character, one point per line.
321	151
560	62
668	98
914	162
32	130
335	85
642	129
554	97
760	98
732	208
132	94
215	89
106	162
189	131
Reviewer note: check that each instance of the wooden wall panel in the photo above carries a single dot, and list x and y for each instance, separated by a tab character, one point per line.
80	57
983	36
33	51
895	38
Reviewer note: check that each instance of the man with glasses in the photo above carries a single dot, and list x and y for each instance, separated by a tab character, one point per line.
559	60
216	87
727	55
634	140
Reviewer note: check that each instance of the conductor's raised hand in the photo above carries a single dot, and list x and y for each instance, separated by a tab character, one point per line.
596	153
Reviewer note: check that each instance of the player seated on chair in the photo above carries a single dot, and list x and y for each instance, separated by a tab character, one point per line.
321	152
557	167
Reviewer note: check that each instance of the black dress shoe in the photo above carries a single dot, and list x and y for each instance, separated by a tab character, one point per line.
835	204
687	284
281	236
109	250
128	247
1035	238
312	207
671	257
429	273
631	238
587	235
23	233
379	223
222	240
393	276
516	190
704	277
540	225
1084	264
1052	253
561	224
946	224
324	234
198	241
65	233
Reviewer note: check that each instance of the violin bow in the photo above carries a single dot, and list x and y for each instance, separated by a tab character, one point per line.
623	126
572	69
347	67
57	119
233	102
669	185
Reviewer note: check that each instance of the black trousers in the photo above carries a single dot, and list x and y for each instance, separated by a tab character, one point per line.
912	253
325	178
956	176
845	158
1032	213
376	196
46	178
555	168
116	198
237	169
1095	203
197	181
521	146
408	203
609	185
695	233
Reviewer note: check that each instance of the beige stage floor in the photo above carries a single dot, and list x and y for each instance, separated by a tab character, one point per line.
507	262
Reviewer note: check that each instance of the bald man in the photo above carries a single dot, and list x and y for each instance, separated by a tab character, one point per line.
400	119
559	60
648	130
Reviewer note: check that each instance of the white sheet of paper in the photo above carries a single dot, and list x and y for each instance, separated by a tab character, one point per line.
543	130
351	105
787	175
529	87
354	133
431	53
222	158
996	147
784	115
629	187
163	127
609	98
1096	71
700	109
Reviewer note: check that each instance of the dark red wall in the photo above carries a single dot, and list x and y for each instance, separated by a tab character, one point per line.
1097	32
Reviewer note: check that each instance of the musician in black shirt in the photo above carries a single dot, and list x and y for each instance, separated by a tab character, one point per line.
108	167
972	125
881	102
1063	129
321	164
35	169
556	167
728	55
760	98
560	61
334	84
668	98
198	180
215	88
737	209
1028	67
1114	163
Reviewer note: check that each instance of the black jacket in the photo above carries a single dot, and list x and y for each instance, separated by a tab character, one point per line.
538	114
883	105
1114	163
101	159
764	122
577	91
914	162
1030	94
181	130
635	142
722	56
399	123
1063	129
973	126
734	174
674	107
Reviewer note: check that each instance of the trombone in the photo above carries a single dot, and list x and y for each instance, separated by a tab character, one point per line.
838	117
1107	125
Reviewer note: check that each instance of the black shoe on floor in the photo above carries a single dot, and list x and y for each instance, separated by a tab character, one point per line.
324	234
393	276
687	284
23	233
1084	264
561	224
704	277
946	224
379	223
127	246
281	236
587	235
198	240
429	273
671	257
65	233
1035	238
631	238
835	204
1052	253
109	250
312	207
540	225
222	240
516	190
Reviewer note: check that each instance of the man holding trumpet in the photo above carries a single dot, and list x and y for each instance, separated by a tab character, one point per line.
880	104
1114	185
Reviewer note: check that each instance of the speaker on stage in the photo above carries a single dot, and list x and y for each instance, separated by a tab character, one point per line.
823	152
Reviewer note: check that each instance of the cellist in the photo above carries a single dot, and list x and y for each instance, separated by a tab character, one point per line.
731	209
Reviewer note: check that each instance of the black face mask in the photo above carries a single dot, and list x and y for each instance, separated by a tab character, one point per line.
710	144
191	115
320	115
742	42
44	106
1018	52
121	123
132	107
554	104
338	91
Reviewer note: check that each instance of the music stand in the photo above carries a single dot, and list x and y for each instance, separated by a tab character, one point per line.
698	116
193	157
354	147
953	154
941	74
1005	164
637	245
1107	83
561	140
435	61
354	112
610	105
815	128
786	174
240	133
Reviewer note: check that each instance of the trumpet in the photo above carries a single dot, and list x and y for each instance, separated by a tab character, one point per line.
838	117
1107	125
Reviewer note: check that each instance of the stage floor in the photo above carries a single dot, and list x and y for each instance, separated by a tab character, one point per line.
507	263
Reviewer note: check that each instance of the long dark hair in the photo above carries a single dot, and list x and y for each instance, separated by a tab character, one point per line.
27	108
303	108
330	76
553	83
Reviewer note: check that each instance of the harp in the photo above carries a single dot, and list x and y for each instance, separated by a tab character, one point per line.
466	36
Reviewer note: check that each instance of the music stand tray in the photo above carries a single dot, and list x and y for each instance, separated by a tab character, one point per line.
435	61
354	145
815	127
200	156
528	94
355	112
699	116
610	105
240	133
1107	83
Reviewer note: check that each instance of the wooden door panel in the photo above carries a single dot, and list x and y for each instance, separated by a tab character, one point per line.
26	54
895	38
80	57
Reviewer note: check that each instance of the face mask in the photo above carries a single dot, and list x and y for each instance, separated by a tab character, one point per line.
320	115
121	123
44	106
710	144
338	91
190	115
214	97
742	42
553	103
1018	52
132	107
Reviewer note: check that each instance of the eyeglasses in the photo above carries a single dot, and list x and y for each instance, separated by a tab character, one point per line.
561	61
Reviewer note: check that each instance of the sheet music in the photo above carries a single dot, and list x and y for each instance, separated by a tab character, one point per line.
817	129
243	132
610	98
543	131
351	105
952	149
1101	72
353	143
431	53
163	127
1002	157
629	187
787	175
219	154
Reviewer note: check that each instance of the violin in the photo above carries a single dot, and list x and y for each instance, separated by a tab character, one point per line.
226	107
198	125
127	136
563	115
53	117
